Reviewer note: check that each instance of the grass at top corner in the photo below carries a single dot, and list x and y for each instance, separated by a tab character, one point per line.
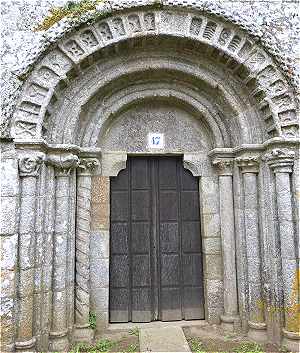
70	9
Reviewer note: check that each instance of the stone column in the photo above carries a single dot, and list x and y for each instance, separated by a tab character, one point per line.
281	162
230	319
257	327
63	165
29	171
82	246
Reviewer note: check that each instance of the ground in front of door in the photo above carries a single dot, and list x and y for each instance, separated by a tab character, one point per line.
203	338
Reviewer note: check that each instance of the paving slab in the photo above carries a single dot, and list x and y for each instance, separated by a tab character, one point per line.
163	339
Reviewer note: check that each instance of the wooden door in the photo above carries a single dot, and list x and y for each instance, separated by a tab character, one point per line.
155	249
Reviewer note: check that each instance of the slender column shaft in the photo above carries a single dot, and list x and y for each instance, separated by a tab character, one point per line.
225	170
228	245
82	295
288	255
256	313
256	322
59	324
59	305
281	162
82	249
29	167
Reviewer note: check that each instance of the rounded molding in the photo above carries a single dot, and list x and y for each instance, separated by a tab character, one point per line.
226	43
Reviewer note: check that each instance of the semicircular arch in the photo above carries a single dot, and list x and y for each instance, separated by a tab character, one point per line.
227	44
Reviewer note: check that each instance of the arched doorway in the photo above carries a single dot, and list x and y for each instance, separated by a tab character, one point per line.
222	102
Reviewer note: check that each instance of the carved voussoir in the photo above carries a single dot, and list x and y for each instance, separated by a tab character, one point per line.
29	165
64	163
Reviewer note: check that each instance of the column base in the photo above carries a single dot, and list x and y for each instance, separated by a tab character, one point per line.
291	340
230	323
25	345
59	341
83	334
257	331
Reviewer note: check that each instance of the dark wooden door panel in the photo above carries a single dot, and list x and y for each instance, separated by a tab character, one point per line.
156	262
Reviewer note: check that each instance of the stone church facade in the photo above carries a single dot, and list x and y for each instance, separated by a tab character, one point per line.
222	101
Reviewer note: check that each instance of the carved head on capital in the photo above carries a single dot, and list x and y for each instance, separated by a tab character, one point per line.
29	165
63	163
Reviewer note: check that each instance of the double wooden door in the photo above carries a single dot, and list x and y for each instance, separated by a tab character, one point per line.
155	247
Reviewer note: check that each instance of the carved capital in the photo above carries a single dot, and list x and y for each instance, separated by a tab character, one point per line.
29	165
224	165
280	160
248	164
63	163
87	165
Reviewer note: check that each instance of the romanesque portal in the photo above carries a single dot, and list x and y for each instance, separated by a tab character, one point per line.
221	187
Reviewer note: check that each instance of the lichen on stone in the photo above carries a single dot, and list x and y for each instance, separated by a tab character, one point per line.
71	9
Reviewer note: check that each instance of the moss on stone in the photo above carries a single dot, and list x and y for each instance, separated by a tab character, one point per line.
71	9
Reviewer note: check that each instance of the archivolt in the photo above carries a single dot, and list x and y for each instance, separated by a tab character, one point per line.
222	42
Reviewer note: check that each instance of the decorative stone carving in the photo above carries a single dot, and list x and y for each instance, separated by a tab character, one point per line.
87	165
63	163
29	165
224	36
88	38
248	164
125	26
25	129
280	159
224	166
